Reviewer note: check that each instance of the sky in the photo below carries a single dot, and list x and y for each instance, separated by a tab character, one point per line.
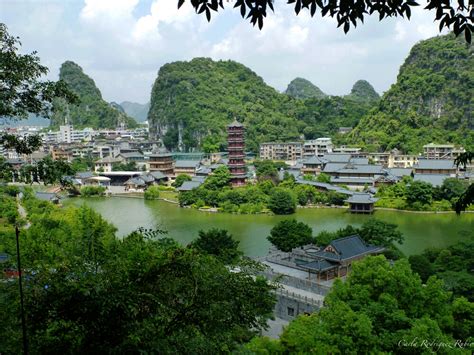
122	44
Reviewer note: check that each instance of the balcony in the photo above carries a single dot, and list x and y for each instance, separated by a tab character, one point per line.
238	149
235	140
236	165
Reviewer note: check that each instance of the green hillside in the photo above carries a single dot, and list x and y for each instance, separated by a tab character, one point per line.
192	102
323	117
362	90
432	100
92	111
304	89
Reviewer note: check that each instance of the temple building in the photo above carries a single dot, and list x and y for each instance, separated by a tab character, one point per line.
235	147
162	161
361	203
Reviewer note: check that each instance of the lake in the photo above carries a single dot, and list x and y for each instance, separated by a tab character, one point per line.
183	224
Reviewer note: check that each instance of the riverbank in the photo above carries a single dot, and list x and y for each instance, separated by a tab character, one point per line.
421	230
172	197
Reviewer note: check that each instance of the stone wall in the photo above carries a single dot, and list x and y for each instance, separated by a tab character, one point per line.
290	305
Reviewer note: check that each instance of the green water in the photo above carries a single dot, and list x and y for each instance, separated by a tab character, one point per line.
127	214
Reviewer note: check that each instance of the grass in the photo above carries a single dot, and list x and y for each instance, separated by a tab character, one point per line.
169	195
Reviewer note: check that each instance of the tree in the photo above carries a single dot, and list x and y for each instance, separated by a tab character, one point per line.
282	201
22	92
452	188
450	14
382	233
380	308
266	170
219	178
180	179
323	178
130	166
467	198
91	292
219	243
419	191
289	234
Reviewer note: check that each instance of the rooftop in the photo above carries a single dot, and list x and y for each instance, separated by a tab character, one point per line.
361	198
189	185
433	179
187	164
435	164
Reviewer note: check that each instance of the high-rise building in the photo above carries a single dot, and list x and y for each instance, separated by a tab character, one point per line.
235	147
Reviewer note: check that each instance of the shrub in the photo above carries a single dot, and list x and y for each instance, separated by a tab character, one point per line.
93	191
152	193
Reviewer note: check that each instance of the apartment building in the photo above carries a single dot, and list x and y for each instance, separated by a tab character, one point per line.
290	151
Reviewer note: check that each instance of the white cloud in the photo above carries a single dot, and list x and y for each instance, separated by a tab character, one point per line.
123	43
107	9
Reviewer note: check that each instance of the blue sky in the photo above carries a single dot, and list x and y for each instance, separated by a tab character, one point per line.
121	44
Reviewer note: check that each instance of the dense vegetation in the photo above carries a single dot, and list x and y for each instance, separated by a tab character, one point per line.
421	196
199	98
381	307
300	88
92	111
432	100
269	194
87	291
323	117
362	90
192	102
454	265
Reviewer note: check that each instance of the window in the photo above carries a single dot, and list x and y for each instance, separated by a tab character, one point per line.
291	312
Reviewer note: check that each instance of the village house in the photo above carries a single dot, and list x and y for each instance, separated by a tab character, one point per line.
188	167
436	166
441	151
106	164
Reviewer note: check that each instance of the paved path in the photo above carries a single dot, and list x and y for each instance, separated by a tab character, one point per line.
22	212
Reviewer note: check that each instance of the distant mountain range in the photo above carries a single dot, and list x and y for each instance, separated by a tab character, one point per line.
138	111
192	102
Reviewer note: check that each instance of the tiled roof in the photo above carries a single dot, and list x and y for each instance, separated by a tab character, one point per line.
433	179
399	172
158	175
189	185
187	164
337	158
348	248
361	198
314	160
435	164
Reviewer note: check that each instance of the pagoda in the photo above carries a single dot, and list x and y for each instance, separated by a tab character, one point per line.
235	147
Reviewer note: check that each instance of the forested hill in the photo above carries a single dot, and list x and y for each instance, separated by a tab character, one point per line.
362	90
303	89
192	102
432	100
92	111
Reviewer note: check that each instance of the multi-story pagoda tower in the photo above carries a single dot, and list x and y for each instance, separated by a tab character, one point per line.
235	147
